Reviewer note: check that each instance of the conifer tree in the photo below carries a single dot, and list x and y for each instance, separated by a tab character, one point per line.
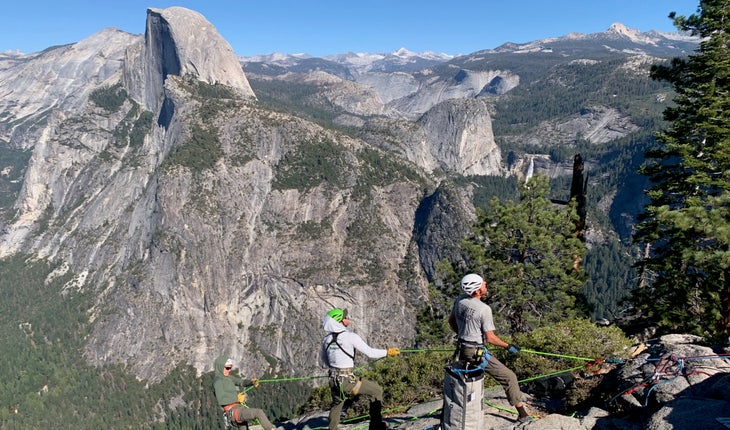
530	254
684	281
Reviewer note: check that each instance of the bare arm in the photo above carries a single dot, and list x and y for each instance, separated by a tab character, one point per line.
452	323
493	339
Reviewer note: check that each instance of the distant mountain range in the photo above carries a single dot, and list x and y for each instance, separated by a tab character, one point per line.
617	37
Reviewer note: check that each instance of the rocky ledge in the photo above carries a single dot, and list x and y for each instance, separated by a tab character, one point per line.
671	383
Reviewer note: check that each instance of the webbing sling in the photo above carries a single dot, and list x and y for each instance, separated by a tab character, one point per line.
334	340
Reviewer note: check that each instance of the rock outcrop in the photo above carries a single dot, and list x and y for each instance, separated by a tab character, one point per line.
454	137
672	383
180	42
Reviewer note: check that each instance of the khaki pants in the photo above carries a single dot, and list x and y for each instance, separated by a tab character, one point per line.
351	386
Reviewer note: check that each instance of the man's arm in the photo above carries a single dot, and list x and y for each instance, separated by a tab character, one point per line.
493	339
452	322
364	348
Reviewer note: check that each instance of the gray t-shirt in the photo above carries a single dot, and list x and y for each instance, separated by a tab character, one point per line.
473	318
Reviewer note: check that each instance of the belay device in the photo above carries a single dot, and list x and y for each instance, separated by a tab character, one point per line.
463	391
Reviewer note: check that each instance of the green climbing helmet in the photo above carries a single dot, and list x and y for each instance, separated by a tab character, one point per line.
337	314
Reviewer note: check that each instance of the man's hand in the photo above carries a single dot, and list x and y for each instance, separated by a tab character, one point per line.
255	382
241	398
513	349
392	352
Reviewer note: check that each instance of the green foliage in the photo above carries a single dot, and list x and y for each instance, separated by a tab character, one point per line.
529	252
380	169
110	98
43	328
200	152
583	347
407	380
611	279
432	326
411	378
683	279
575	338
583	85
205	91
141	127
303	98
486	188
281	401
134	127
312	163
319	399
214	100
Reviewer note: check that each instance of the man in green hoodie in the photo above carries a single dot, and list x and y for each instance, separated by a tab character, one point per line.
231	399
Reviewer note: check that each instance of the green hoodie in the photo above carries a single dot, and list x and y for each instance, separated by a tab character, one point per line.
226	390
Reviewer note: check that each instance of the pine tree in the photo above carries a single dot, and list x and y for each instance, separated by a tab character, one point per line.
530	254
685	228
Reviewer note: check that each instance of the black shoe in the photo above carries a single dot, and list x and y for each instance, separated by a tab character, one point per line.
525	419
378	425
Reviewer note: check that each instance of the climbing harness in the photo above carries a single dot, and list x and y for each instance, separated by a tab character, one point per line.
334	341
230	416
472	352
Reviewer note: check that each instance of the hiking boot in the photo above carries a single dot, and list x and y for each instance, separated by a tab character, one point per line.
525	419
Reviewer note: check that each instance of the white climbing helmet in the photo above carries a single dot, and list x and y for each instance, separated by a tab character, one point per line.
470	283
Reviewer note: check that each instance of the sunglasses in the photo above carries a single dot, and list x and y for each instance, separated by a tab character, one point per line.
228	368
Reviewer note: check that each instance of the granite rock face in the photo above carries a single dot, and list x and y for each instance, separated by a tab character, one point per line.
182	42
203	222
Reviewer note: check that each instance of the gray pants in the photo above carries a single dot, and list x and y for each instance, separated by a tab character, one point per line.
343	387
501	373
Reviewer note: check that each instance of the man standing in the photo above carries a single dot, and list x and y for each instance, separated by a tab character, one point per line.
231	399
338	353
472	320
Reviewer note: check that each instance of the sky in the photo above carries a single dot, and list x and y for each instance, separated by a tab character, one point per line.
326	27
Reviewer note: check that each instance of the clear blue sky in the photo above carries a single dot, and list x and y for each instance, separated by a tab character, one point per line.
324	27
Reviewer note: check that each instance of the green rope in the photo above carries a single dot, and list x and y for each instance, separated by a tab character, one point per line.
301	378
263	381
551	374
407	351
557	355
500	408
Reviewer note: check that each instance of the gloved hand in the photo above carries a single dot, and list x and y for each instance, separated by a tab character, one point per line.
392	352
513	349
255	382
241	398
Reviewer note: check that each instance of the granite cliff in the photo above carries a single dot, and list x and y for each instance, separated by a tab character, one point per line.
204	222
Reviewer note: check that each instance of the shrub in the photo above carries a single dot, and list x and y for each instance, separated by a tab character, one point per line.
576	338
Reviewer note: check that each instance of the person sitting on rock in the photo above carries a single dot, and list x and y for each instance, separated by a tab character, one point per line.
231	399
